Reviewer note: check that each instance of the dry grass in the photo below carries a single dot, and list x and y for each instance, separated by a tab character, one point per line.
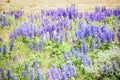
30	5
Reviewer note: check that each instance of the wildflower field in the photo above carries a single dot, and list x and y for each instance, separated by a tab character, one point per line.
66	42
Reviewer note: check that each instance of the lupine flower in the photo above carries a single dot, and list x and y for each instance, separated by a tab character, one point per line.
4	23
41	45
74	71
72	50
4	49
71	69
65	69
98	42
11	45
26	67
64	53
118	35
32	74
31	46
64	76
86	60
0	49
3	73
39	74
93	44
37	46
15	58
103	8
35	64
114	65
10	75
61	38
116	12
66	36
81	48
76	54
24	73
55	73
0	39
74	40
16	78
97	9
48	75
84	46
105	68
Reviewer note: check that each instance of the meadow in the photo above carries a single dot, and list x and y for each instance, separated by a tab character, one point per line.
65	40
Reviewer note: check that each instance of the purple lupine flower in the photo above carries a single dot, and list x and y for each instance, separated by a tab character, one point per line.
114	29
84	46
35	64
71	69
98	42
93	44
81	48
15	58
66	36
64	53
75	14
65	69
118	35
103	8
31	46
32	74
0	49
74	71
48	75
97	9
39	74
41	45
69	54
37	45
2	73
24	73
11	45
4	21
61	38
4	49
10	75
113	36
105	68
0	39
76	54
86	60
16	78
55	73
114	65
116	12
26	67
72	50
64	76
103	37
80	15
74	40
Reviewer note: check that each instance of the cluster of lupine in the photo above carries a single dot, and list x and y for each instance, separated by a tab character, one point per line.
38	46
4	49
4	17
55	25
15	14
105	67
65	72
